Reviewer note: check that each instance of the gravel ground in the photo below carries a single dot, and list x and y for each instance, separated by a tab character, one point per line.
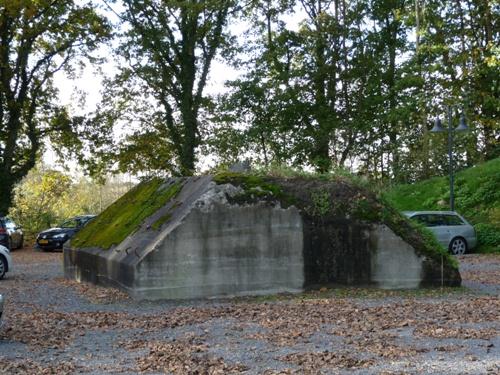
56	326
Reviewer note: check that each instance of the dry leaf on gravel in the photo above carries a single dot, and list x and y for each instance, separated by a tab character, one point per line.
442	332
28	366
185	356
94	293
314	361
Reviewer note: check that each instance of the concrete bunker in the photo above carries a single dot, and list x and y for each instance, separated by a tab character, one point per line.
240	234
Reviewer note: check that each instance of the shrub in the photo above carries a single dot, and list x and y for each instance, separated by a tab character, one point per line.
488	235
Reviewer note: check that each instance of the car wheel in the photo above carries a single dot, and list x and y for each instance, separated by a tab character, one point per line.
458	246
3	266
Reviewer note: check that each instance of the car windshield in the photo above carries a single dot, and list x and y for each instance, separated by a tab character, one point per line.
71	223
76	222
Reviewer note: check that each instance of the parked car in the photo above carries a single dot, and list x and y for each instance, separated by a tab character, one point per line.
11	235
5	261
54	238
450	229
1	308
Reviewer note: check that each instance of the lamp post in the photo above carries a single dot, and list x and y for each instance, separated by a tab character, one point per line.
462	126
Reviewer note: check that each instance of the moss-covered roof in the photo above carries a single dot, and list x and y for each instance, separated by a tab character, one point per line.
126	215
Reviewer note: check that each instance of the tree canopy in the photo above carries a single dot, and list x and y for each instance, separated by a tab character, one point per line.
37	40
323	84
167	49
358	83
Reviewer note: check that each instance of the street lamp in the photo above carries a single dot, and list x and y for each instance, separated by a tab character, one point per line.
462	126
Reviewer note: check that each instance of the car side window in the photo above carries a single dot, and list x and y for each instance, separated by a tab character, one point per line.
435	220
453	220
421	219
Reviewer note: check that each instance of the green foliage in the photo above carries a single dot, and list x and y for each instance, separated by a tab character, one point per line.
488	237
320	203
126	215
165	55
42	199
477	198
331	90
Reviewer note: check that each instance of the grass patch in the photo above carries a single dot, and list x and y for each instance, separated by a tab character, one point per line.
126	215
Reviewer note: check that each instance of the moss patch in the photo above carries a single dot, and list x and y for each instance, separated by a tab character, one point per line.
162	220
255	188
252	183
126	215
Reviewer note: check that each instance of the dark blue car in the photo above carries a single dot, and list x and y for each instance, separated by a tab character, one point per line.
54	238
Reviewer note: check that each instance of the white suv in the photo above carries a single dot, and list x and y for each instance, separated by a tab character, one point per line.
5	261
450	229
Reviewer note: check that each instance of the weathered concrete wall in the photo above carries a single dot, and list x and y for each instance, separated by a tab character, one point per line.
394	263
226	251
100	267
209	248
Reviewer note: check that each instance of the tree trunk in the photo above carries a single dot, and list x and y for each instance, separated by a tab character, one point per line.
6	187
321	159
187	157
392	25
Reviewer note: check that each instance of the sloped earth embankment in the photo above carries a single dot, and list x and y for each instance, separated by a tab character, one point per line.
55	326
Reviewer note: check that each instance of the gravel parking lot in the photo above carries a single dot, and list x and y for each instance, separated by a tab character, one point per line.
56	326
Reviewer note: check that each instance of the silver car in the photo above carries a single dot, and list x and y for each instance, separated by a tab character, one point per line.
5	261
450	229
